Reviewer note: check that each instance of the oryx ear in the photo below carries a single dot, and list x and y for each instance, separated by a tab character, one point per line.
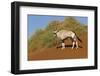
55	31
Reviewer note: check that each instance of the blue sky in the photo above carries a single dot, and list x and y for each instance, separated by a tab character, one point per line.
41	21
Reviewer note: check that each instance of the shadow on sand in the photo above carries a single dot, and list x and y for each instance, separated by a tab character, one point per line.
69	46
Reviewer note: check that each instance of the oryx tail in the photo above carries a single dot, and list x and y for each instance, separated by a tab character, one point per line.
78	38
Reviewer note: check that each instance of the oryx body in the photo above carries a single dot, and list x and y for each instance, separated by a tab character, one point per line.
64	34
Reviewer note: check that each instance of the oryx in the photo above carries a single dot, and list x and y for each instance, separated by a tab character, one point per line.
64	34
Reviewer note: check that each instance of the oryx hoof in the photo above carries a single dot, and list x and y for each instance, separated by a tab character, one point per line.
63	48
76	47
72	48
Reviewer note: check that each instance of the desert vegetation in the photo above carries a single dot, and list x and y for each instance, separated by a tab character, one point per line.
44	37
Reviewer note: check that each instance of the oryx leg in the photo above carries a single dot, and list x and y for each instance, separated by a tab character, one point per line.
76	44
63	44
73	44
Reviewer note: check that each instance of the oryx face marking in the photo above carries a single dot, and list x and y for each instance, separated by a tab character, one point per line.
55	33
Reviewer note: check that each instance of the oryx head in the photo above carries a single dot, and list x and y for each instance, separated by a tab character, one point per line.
55	32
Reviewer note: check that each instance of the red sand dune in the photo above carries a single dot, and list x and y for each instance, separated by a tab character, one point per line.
57	53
